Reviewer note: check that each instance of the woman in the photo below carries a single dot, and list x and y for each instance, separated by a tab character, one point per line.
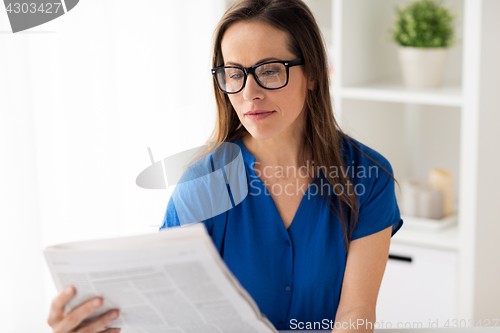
308	246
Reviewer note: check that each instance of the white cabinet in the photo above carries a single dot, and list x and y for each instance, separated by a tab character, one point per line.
419	286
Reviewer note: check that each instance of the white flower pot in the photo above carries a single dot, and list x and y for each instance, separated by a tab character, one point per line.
423	67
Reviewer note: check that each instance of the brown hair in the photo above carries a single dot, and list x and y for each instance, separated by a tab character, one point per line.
323	136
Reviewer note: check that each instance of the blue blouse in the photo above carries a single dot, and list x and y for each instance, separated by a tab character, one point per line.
296	274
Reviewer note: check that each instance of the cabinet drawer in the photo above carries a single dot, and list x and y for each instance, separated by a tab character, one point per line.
419	285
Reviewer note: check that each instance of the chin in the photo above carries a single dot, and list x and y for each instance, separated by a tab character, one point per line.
262	135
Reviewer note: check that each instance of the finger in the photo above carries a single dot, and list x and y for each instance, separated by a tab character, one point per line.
56	313
111	330
78	314
99	323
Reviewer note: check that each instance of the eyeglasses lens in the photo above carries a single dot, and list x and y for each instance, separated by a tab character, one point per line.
271	75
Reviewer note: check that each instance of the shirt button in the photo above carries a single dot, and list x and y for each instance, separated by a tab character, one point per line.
287	288
288	242
281	324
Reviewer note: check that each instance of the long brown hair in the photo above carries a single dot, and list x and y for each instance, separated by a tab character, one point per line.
323	136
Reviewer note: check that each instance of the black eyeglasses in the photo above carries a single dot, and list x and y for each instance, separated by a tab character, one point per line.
269	75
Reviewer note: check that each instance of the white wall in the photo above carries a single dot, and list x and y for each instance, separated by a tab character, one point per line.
81	99
21	263
487	287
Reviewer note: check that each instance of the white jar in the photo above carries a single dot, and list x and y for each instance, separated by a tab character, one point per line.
423	67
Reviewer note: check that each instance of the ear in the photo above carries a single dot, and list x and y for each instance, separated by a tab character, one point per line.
311	84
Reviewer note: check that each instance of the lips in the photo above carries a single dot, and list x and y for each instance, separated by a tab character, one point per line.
258	115
257	112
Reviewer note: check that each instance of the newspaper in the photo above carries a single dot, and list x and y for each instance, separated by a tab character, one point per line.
173	281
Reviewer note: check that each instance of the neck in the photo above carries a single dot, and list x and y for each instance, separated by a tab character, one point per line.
283	151
279	152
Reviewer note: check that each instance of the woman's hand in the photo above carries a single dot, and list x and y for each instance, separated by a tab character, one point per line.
70	323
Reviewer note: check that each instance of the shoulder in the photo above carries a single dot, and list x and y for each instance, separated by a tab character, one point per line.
199	168
358	154
370	172
374	185
210	161
202	191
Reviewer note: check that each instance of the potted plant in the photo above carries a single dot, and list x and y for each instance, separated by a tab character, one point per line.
424	32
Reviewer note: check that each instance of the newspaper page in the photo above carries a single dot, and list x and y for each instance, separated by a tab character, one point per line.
174	281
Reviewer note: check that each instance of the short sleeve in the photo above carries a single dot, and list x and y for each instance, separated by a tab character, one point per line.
171	219
378	208
203	191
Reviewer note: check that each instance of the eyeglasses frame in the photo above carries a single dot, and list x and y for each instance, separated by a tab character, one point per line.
251	70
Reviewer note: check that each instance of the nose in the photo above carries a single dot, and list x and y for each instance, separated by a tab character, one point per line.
252	89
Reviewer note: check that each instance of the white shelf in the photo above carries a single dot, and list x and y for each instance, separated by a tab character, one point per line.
417	129
393	90
446	239
431	225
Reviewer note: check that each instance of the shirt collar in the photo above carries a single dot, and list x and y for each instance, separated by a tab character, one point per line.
248	158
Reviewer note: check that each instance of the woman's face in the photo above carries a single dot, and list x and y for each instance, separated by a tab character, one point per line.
247	44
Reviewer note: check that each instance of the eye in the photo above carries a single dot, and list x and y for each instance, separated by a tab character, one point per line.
270	70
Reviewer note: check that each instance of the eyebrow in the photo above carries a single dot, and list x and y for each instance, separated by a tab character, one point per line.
258	62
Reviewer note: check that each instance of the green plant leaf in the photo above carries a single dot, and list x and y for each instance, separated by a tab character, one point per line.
423	23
